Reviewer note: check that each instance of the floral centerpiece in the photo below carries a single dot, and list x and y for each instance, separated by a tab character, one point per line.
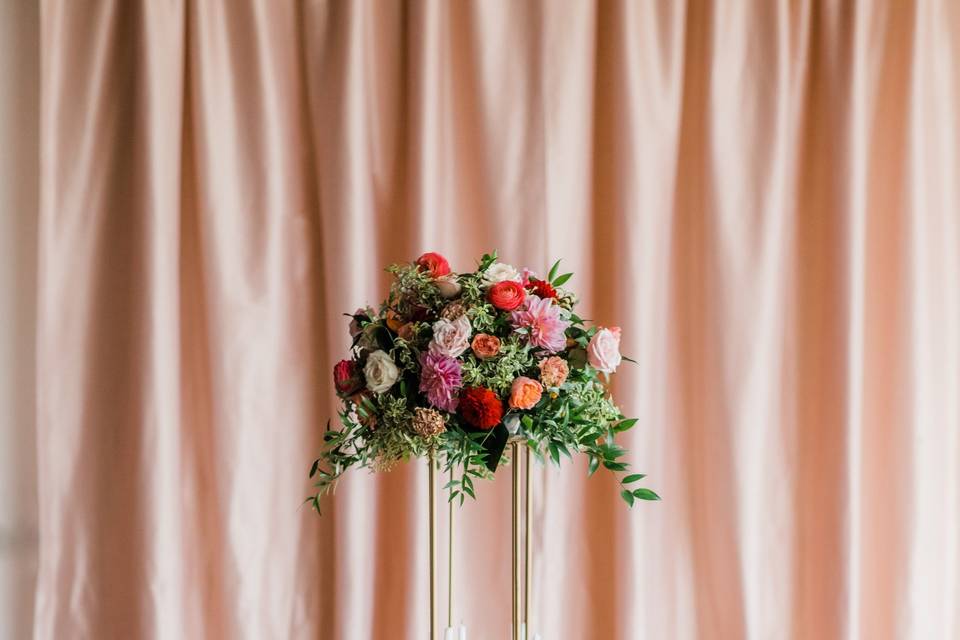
457	364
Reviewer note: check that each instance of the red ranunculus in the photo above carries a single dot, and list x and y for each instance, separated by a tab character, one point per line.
506	295
542	288
347	378
434	263
480	408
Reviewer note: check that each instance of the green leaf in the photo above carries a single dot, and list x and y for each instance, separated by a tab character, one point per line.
313	469
627	496
594	465
636	477
487	260
615	466
554	453
553	271
645	494
562	279
625	424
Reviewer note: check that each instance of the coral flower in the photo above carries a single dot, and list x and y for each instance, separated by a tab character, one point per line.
485	346
506	295
543	322
481	408
525	393
440	378
434	264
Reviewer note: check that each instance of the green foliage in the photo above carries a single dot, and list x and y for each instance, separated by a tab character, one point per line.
499	372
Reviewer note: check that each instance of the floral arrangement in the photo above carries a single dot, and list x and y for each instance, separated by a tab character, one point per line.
457	364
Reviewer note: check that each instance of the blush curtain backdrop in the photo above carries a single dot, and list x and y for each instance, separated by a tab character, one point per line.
764	195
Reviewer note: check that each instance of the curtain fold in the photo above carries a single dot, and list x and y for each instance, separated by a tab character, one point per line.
764	195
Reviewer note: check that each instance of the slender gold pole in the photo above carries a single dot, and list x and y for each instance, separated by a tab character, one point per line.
516	540
433	549
527	545
450	561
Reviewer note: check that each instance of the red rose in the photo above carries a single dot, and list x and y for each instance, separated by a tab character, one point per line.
542	289
346	377
434	263
506	295
480	408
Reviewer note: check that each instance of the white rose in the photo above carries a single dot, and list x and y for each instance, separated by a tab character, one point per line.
451	337
603	352
448	286
380	371
499	272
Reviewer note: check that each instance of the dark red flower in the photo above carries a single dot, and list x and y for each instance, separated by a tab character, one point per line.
347	378
542	289
480	408
434	263
506	295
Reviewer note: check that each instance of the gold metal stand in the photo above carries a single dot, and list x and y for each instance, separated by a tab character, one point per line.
515	537
527	544
433	546
450	560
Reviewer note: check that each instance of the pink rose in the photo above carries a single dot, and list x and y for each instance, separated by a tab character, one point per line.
554	371
525	393
603	352
451	337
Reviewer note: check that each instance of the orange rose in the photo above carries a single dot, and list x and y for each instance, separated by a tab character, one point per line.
485	346
525	393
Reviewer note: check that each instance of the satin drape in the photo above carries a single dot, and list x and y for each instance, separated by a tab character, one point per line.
764	195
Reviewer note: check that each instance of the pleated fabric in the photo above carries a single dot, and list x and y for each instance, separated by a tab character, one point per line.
764	195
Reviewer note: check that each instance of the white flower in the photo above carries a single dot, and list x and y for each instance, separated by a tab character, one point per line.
448	286
499	272
380	371
451	337
603	352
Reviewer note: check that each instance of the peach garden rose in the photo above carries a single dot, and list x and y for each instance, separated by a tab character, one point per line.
525	393
553	371
485	346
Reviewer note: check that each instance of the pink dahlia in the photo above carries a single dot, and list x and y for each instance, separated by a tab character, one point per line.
440	379
546	328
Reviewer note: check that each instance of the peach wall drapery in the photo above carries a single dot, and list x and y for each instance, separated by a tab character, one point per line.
765	195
